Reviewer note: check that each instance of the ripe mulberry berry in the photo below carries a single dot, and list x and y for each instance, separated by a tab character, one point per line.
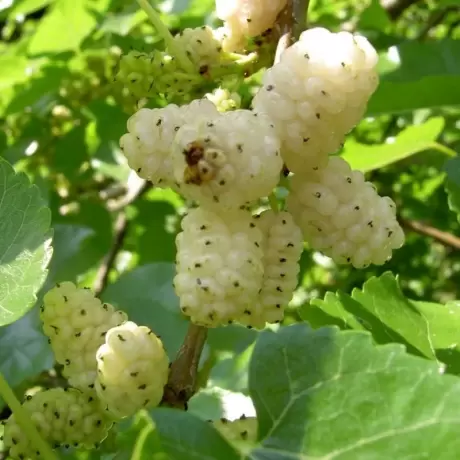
228	160
63	418
246	18
219	266
132	370
76	322
342	215
241	432
317	93
147	145
282	247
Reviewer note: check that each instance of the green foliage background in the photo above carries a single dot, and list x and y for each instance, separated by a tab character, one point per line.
61	117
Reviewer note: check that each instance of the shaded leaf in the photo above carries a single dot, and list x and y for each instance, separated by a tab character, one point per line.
410	141
146	294
24	243
334	395
24	350
186	437
374	17
419	75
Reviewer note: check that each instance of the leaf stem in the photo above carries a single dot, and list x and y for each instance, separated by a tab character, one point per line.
444	149
24	421
164	32
182	382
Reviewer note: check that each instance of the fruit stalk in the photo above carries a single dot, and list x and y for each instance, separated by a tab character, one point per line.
183	374
25	421
176	51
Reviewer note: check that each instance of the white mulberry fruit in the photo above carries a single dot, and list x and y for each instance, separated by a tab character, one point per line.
147	145
317	93
282	247
144	75
241	432
202	45
226	161
64	418
132	369
246	18
342	215
76	322
219	266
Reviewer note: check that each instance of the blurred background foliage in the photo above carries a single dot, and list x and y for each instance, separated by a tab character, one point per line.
61	117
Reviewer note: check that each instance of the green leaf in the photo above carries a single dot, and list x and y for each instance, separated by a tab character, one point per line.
69	257
186	437
421	75
123	22
334	395
374	17
26	7
146	294
81	239
410	141
102	136
71	152
381	308
136	439
24	246
24	350
444	324
452	168
66	26
38	94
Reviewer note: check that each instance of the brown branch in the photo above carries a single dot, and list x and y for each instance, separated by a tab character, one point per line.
395	8
284	26
436	18
445	238
120	231
119	234
290	24
183	374
299	10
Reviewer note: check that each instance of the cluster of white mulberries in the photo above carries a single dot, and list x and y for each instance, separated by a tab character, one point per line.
76	323
62	417
132	369
235	267
110	359
317	93
246	18
342	215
